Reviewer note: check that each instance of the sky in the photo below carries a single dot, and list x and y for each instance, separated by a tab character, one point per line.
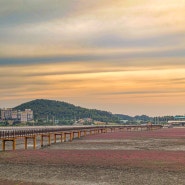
125	57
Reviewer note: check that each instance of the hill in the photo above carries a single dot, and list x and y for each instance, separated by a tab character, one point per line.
64	112
143	118
124	117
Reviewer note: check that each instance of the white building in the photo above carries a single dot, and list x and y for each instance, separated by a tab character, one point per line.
6	114
14	114
26	115
23	116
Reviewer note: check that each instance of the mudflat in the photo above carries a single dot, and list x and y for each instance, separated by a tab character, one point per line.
145	157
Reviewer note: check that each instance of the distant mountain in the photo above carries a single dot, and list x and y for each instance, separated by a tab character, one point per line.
143	118
49	109
124	117
130	118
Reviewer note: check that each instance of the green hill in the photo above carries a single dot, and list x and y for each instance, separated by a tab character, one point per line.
64	112
130	118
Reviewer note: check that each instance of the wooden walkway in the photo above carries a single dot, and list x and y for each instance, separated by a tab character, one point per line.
11	134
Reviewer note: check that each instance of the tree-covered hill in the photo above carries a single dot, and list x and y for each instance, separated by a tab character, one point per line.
124	117
47	109
143	118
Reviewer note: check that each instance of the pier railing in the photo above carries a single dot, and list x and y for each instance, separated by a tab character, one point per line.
13	133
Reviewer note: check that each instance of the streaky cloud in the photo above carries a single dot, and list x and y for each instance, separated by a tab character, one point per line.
13	13
143	92
117	41
93	57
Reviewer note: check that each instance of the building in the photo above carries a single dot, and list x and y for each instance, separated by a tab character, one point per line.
6	114
15	115
99	123
27	115
84	121
178	121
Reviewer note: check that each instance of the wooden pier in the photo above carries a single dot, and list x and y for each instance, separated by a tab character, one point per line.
11	134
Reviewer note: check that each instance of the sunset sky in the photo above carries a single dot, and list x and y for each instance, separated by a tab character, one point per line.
123	56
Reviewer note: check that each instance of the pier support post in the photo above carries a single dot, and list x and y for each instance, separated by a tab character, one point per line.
34	142
55	138
13	140
58	134
26	141
49	139
71	136
79	134
42	139
3	145
64	137
14	144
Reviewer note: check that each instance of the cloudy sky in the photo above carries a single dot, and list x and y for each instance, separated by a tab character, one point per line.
123	56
